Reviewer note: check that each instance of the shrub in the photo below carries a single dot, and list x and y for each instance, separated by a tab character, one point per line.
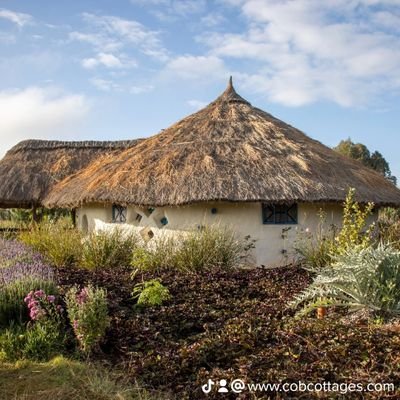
42	337
359	279
39	341
43	306
151	293
354	231
212	247
195	250
389	226
108	249
21	270
58	241
315	249
88	314
12	306
156	255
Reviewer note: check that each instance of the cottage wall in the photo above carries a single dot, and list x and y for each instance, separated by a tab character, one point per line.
274	243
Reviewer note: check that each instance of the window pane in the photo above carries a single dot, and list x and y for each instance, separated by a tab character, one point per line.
119	213
279	213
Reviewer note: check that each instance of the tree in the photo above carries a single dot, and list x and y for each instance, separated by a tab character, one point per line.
360	152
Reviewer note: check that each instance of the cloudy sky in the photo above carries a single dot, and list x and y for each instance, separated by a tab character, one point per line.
101	69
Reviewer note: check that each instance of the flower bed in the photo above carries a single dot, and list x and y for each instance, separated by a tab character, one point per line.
227	325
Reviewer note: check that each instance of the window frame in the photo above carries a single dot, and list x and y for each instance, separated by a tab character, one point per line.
291	218
119	214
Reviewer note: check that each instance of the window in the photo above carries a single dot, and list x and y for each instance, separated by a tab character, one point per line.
279	213
118	214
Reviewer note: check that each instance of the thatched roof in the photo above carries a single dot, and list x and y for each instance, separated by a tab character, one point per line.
228	151
31	168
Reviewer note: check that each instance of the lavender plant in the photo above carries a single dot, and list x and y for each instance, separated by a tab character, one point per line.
21	271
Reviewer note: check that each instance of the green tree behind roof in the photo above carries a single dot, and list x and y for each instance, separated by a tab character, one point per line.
360	152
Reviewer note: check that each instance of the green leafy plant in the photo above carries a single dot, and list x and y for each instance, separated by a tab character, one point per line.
88	313
359	279
108	249
355	231
38	341
151	293
58	241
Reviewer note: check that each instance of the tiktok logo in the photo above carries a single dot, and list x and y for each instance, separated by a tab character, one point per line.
208	386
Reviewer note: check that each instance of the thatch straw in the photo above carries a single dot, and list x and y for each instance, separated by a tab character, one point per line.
31	168
228	151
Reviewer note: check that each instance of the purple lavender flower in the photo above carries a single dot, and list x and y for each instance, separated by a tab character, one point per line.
18	262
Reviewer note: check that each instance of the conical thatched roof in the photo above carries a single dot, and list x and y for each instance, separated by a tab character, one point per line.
228	151
31	168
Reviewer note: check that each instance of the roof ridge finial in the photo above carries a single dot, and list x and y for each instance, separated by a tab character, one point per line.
230	83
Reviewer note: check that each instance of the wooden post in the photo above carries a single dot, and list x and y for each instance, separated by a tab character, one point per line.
321	312
35	216
73	215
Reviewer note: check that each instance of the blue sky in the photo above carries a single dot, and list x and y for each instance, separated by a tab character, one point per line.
103	69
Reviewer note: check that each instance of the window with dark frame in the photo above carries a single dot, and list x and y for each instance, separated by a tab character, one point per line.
118	214
279	214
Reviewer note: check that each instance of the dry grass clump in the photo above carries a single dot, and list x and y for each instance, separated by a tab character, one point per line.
59	241
104	249
196	250
65	379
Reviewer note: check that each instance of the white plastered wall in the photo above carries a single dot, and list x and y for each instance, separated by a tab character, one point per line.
273	247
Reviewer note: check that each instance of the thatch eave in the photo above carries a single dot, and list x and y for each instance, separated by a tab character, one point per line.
30	169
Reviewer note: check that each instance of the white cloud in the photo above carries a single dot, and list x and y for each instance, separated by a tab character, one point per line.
108	85
17	18
213	19
141	89
38	113
105	85
108	60
117	32
305	51
168	9
99	41
196	67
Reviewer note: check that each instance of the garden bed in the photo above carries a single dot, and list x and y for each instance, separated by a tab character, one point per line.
236	324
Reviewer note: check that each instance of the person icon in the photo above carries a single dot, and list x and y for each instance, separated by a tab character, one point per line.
223	388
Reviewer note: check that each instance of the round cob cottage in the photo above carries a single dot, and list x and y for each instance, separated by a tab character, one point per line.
229	163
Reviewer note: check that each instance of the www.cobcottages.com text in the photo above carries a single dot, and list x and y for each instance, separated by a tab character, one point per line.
239	386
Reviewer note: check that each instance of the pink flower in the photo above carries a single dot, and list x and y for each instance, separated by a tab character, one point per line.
51	298
82	296
39	293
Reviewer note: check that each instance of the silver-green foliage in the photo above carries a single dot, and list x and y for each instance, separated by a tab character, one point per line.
360	279
88	313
